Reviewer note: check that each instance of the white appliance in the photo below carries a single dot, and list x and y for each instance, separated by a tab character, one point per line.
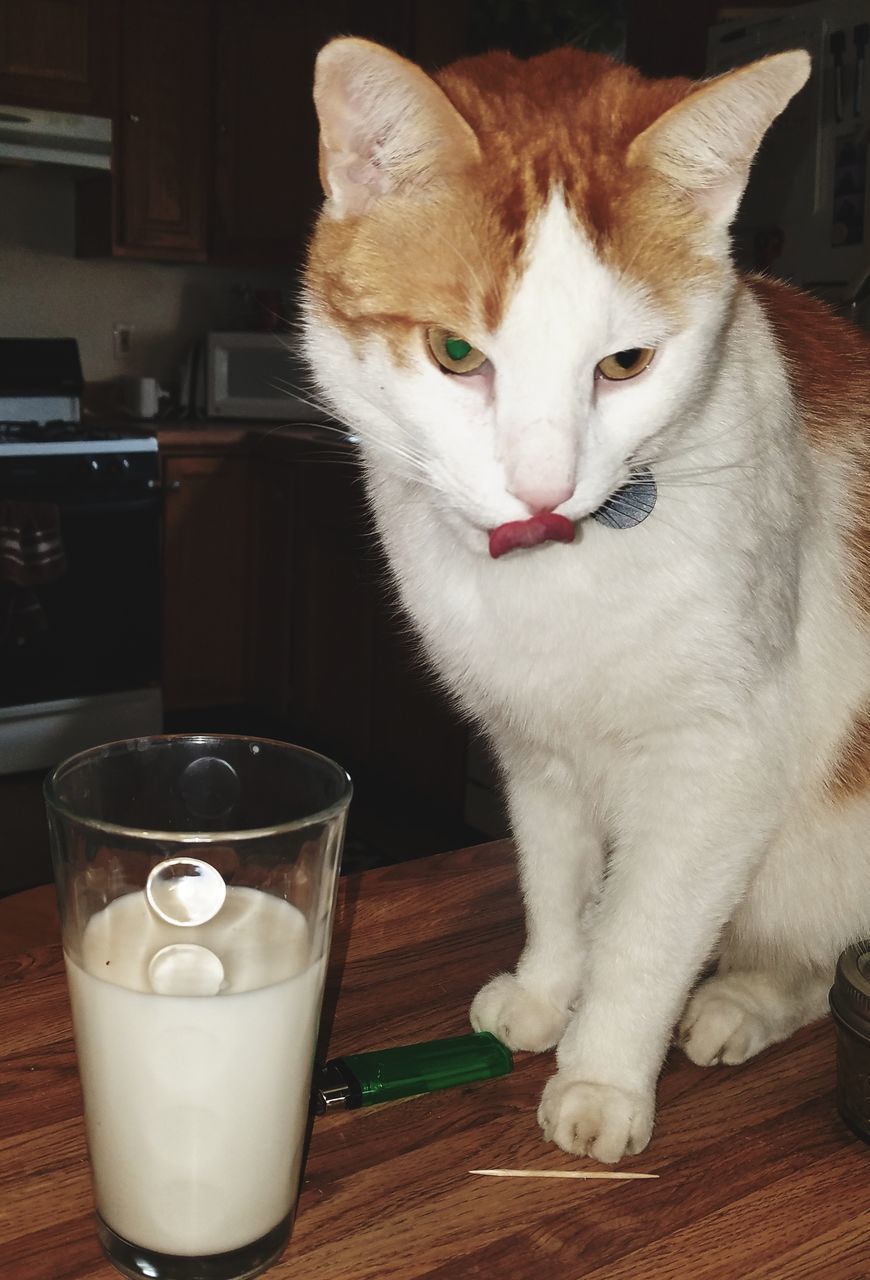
254	375
805	213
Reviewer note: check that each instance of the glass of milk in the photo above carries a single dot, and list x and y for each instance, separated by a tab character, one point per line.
196	877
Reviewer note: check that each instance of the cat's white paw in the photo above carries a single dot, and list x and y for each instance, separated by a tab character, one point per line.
520	1018
598	1120
718	1026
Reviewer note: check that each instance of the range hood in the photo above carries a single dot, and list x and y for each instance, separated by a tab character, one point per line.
54	137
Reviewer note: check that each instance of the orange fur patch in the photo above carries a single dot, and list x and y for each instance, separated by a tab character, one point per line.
562	121
851	773
829	363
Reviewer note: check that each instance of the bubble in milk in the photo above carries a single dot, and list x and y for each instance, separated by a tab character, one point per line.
185	891
183	969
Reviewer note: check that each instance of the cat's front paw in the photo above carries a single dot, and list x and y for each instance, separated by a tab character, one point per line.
719	1026
598	1120
520	1018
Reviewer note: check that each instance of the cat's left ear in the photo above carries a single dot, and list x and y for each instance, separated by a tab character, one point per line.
385	126
705	144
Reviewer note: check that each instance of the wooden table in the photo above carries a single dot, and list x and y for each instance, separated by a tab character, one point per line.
759	1178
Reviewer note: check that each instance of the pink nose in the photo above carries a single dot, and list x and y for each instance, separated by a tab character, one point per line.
541	496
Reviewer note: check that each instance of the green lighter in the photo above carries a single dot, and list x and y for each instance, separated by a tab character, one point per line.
361	1079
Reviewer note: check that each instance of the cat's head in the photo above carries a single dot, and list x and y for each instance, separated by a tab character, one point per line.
521	268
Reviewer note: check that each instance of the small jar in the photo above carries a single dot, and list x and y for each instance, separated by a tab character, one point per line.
850	1005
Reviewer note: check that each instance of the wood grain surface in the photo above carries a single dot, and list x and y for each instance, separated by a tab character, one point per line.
759	1179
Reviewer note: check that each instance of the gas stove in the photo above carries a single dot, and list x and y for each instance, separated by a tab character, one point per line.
41	387
80	576
63	437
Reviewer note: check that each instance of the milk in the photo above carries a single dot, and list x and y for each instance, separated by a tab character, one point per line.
196	1105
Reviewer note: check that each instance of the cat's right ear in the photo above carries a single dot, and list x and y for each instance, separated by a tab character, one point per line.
385	126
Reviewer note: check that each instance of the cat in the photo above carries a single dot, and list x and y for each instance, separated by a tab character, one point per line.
623	491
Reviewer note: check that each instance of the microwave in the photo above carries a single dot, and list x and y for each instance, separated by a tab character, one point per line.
240	376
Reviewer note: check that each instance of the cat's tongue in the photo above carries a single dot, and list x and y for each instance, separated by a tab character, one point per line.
544	527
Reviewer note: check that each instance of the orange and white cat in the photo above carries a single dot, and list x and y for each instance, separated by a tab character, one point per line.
624	494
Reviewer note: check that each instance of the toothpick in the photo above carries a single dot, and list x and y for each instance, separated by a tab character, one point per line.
559	1173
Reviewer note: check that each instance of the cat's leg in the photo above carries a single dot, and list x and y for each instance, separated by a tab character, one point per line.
560	861
683	861
740	1010
808	898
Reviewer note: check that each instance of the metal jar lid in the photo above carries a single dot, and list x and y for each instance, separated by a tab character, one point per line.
850	994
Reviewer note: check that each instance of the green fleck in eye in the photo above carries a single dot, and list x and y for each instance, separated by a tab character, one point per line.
457	348
453	352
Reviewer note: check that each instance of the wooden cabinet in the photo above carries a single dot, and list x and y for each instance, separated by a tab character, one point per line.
335	583
215	135
206	575
162	141
265	166
266	187
278	620
155	203
272	669
59	54
332	657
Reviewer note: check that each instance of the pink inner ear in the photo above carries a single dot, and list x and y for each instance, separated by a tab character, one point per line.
357	182
366	173
544	527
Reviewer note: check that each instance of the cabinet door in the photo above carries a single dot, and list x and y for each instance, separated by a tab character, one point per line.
334	656
266	186
265	179
163	129
60	55
334	590
272	655
205	565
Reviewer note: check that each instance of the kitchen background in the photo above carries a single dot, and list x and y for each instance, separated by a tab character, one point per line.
46	290
271	613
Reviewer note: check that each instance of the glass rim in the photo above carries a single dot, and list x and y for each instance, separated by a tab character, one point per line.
54	802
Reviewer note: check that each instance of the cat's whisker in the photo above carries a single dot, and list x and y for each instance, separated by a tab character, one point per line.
340	431
414	459
670	448
667	482
681	451
621	501
308	396
716	467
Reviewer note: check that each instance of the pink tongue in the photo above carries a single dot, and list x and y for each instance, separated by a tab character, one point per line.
545	527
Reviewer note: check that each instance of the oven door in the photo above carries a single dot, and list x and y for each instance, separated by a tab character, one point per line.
80	592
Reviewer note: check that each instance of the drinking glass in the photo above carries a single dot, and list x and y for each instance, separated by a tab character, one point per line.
196	878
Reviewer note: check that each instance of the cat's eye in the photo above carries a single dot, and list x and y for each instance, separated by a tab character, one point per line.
625	364
453	352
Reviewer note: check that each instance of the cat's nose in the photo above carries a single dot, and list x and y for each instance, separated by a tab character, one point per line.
540	496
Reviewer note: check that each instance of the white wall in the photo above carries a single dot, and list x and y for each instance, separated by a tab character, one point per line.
45	292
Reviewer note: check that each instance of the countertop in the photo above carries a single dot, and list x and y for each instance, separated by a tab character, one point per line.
758	1176
229	436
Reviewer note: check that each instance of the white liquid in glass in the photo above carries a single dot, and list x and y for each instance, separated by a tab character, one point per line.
196	1105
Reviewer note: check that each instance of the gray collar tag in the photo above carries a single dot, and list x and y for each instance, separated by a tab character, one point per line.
630	504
